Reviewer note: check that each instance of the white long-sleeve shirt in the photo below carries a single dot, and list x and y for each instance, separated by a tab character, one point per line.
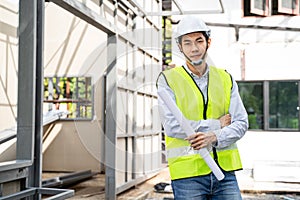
226	135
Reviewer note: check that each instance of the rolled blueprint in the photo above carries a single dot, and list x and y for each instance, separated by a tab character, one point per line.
186	127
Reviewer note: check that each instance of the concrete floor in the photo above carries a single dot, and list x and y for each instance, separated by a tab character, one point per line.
93	189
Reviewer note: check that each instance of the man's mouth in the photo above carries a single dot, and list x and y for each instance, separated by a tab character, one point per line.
196	56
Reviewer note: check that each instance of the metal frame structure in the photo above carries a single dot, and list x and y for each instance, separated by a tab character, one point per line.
237	27
27	168
110	123
112	88
112	91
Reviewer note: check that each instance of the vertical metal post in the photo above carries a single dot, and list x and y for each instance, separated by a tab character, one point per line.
134	129
26	79
266	104
299	105
30	88
35	172
110	120
111	114
26	85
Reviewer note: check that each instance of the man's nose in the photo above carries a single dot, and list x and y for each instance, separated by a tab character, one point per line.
195	46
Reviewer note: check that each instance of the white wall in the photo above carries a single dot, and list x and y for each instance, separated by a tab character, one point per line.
72	47
8	63
269	54
272	156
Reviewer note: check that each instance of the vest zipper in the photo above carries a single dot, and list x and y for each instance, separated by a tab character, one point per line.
215	155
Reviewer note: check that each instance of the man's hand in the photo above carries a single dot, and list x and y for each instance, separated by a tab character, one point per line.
225	120
200	140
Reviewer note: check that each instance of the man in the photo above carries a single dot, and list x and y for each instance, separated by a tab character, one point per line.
208	97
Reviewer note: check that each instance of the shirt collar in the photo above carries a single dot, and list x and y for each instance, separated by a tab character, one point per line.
194	75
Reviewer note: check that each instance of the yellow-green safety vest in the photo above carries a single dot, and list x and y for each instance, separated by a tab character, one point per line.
183	161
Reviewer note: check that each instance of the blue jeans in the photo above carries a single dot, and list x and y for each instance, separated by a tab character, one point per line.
207	188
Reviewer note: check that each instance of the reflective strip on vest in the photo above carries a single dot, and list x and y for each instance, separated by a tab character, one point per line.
188	150
183	161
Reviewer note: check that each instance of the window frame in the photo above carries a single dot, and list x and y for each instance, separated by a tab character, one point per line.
71	100
258	11
266	104
292	11
269	8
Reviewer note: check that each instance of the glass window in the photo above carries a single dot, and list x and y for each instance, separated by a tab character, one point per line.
70	94
252	97
283	105
288	6
266	8
259	7
255	7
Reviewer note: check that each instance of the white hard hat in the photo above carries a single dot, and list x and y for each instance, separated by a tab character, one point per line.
191	24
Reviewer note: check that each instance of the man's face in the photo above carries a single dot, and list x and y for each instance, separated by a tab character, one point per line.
194	45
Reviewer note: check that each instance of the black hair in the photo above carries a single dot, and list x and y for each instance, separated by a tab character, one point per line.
179	39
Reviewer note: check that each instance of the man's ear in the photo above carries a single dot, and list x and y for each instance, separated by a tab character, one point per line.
208	42
179	47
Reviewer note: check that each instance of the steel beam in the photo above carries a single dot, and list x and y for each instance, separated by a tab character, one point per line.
266	99
181	11
35	171
59	194
68	179
254	26
83	12
15	164
27	120
142	11
26	169
178	6
14	174
26	79
110	120
136	181
298	105
170	13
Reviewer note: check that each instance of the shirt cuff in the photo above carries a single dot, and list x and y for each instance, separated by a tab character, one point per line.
218	136
214	124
